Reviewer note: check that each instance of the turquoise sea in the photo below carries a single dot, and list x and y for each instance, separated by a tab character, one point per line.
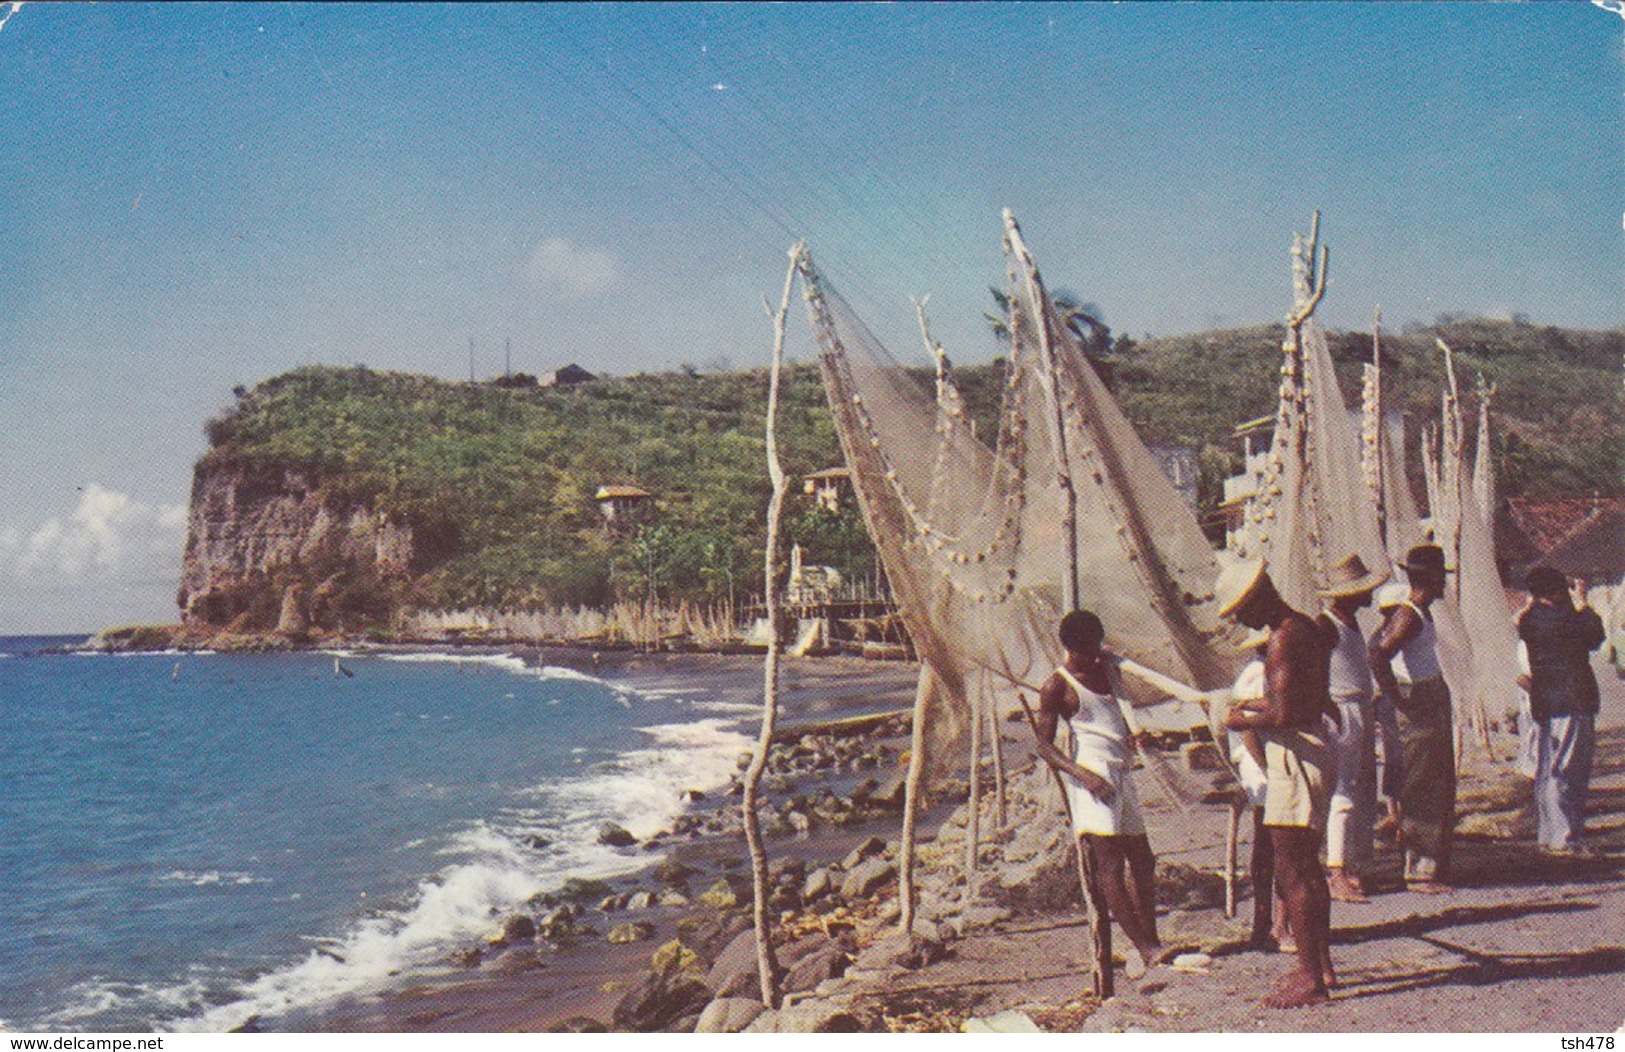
191	840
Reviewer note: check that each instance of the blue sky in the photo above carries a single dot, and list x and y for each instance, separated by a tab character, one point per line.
200	196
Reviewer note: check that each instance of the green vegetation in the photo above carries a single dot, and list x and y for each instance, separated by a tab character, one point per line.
499	481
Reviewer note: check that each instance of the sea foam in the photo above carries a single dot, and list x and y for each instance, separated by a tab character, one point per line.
499	870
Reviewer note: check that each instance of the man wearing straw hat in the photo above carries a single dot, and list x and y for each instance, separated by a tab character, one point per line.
1405	663
1351	812
1298	763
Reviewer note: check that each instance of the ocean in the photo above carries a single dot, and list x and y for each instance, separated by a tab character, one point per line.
188	841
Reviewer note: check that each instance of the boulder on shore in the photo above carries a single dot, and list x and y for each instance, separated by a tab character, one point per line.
728	1015
659	1000
866	877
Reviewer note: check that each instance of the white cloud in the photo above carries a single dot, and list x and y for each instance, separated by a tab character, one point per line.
108	535
573	271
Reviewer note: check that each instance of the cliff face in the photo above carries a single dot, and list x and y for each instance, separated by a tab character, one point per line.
279	549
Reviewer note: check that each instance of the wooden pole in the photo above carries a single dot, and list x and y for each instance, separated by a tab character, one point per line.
767	966
973	827
907	894
998	748
1231	837
1054	416
1094	903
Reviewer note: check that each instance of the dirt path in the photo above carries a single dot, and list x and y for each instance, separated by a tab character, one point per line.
1526	944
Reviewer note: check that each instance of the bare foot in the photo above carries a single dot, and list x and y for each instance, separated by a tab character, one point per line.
1162	955
1297	990
1428	887
1345	888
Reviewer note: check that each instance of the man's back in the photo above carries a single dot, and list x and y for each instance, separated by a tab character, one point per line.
1560	640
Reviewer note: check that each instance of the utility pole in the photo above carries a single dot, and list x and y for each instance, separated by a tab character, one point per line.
471	359
507	358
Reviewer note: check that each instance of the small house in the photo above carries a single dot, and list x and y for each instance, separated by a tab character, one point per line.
620	504
565	376
827	486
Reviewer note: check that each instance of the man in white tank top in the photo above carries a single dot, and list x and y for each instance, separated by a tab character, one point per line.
1100	793
1351	813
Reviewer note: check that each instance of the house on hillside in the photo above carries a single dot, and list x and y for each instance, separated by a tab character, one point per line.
1178	463
1583	537
621	505
565	376
828	486
1254	438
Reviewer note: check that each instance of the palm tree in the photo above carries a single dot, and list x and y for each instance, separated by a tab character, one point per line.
1086	321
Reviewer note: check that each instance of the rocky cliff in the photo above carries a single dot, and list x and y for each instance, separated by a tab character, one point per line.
275	548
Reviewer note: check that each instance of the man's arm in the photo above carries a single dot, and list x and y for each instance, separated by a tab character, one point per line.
1401	625
1280	678
1051	703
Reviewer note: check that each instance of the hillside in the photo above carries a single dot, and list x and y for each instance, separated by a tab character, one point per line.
335	498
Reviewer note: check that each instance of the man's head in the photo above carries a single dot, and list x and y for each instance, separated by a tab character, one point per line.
1424	566
1350	584
1081	632
1246	594
1546	583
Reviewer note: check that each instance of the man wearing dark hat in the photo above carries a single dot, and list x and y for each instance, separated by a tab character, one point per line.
1560	633
1404	660
1298	767
1351	813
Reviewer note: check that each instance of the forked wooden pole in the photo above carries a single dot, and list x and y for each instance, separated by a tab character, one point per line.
767	966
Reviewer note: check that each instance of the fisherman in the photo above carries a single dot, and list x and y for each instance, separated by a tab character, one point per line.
1560	632
1104	806
1351	813
1404	658
1247	756
1298	766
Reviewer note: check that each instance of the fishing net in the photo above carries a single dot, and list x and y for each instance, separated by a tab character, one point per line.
1477	642
981	541
1316	502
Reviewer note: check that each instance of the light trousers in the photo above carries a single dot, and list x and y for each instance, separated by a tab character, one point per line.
1563	778
1353	808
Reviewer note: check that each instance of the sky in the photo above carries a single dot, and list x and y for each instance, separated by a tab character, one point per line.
200	196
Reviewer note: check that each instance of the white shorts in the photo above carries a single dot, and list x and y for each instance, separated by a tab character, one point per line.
1119	816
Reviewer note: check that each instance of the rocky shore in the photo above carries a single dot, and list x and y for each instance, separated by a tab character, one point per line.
1526	943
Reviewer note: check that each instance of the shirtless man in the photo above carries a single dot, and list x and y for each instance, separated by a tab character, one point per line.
1299	766
1105	808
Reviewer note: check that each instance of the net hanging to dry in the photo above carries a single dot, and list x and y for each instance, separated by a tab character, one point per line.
981	543
1316	503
